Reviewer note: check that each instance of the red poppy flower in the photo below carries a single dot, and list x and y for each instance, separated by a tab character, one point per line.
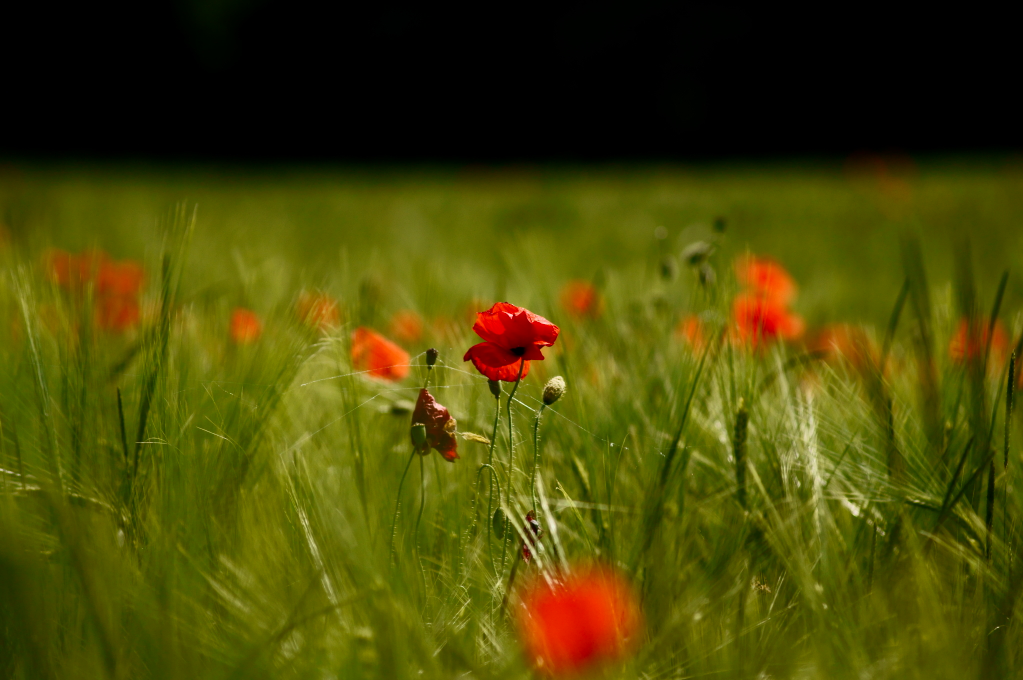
969	343
581	299
318	311
119	278
407	326
440	427
569	627
512	335
71	271
117	313
759	319
690	330
846	342
245	326
375	354
766	278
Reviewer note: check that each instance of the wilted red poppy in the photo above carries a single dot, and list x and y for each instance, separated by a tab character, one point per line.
759	319
512	335
318	310
765	278
406	326
690	330
245	326
440	427
969	343
533	532
375	354
582	299
591	617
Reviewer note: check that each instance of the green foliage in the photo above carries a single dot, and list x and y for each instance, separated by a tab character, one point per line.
173	505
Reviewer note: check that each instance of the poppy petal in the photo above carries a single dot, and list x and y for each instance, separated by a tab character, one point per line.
495	362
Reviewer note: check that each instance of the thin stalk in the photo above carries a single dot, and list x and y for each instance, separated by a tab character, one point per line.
397	502
511	442
536	456
422	498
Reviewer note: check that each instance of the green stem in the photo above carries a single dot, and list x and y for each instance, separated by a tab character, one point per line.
536	455
511	442
397	502
422	498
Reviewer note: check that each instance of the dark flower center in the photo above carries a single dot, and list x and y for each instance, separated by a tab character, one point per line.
518	351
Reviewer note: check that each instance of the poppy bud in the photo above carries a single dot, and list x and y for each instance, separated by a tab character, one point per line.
419	437
431	357
720	224
495	388
669	268
697	253
553	390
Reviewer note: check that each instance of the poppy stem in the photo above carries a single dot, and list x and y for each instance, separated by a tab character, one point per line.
397	502
490	464
511	442
494	479
536	455
422	498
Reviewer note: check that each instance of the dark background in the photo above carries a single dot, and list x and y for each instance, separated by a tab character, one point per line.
270	80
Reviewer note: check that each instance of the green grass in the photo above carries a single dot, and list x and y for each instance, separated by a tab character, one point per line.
238	524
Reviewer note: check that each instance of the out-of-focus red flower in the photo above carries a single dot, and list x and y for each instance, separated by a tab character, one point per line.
375	354
117	313
120	278
590	617
440	427
582	299
318	311
72	271
846	342
690	330
406	326
759	320
245	326
969	343
766	278
512	335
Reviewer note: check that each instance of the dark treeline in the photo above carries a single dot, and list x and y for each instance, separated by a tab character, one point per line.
275	80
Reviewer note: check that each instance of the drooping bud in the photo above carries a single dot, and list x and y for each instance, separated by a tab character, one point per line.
419	438
553	390
431	357
697	253
495	388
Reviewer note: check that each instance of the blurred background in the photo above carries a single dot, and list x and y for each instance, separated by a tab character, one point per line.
269	80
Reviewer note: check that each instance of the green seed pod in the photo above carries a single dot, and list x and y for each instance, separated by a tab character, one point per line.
418	433
495	388
499	523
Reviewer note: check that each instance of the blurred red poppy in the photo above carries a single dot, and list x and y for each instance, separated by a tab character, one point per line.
846	342
512	335
120	278
245	326
590	617
968	343
406	326
440	427
759	319
766	278
318	311
378	356
690	330
117	313
582	299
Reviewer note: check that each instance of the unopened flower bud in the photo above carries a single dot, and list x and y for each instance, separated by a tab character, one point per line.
495	388
431	357
553	390
697	253
419	437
